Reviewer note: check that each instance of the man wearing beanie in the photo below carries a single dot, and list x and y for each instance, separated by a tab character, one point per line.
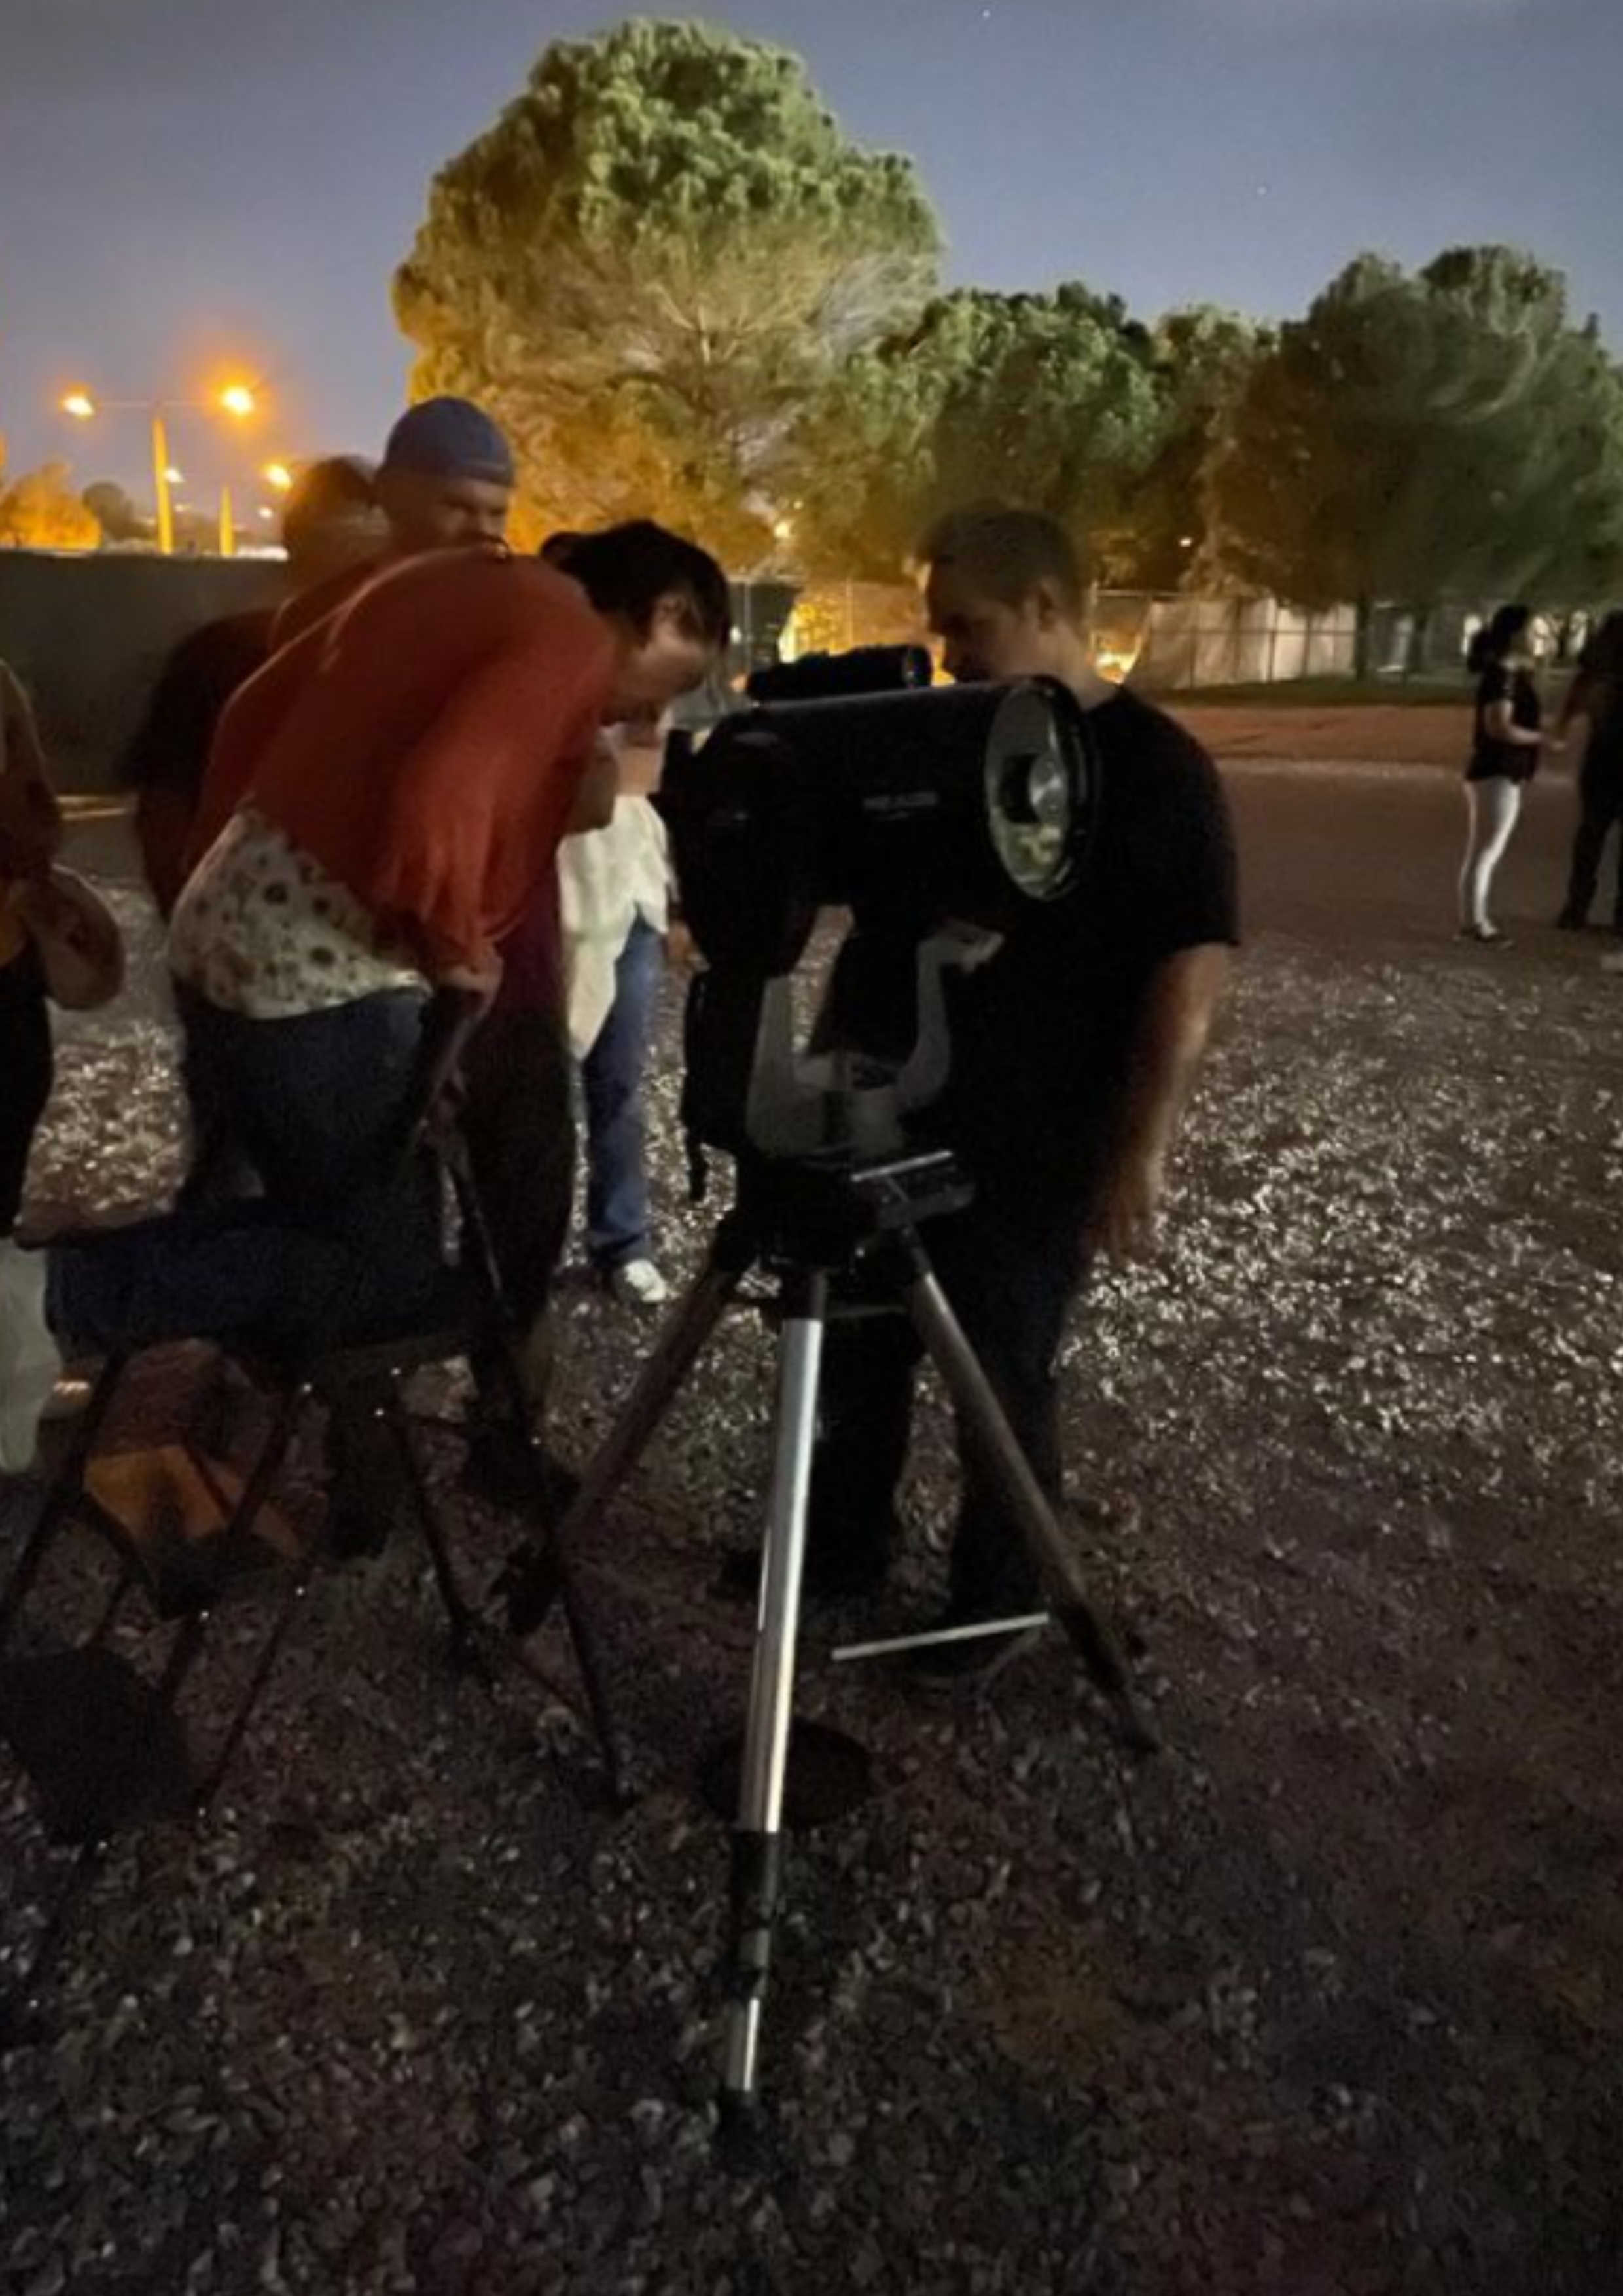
446	477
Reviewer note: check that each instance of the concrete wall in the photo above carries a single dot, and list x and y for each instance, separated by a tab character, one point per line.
88	634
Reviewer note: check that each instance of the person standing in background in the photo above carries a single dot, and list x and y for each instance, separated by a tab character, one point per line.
615	907
1507	738
1594	717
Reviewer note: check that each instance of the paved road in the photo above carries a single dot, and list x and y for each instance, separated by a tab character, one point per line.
1346	855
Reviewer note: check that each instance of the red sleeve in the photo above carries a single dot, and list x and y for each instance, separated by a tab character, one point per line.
479	804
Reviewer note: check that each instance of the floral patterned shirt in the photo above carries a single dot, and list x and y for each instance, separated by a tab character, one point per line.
261	929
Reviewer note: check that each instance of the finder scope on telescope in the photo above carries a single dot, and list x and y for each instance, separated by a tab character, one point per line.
828	676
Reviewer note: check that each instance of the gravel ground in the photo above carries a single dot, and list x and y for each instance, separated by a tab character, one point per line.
1325	2000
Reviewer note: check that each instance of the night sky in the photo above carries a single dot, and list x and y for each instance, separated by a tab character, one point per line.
192	186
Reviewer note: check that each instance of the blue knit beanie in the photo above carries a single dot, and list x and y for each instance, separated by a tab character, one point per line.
449	439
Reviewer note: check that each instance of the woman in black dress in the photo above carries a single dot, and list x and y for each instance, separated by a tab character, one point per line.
1504	759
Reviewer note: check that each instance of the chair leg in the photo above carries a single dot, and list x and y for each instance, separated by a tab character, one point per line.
183	1656
464	1643
115	1603
256	1494
549	1552
271	1649
20	2012
273	1457
65	1488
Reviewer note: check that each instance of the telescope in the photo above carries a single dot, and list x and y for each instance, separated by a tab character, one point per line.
931	816
910	809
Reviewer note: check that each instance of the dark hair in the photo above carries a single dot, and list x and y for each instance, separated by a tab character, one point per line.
1008	550
627	570
1495	639
337	488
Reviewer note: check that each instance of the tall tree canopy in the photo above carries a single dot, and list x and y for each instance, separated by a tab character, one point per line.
1414	436
1046	399
649	264
109	503
1203	360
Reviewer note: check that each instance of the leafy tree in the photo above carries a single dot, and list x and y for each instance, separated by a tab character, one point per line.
40	511
1417	436
114	512
1046	399
650	263
1203	359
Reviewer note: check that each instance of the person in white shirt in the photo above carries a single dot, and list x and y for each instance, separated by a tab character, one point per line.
614	886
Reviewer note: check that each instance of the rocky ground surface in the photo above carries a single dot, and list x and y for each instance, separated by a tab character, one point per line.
1325	2000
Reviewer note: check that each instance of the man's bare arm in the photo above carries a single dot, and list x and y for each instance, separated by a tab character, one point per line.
1174	1029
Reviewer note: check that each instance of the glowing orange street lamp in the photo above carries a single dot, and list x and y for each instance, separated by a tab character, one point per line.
235	400
278	475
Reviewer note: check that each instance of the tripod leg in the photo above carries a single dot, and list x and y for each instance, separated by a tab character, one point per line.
531	1580
758	1840
971	1393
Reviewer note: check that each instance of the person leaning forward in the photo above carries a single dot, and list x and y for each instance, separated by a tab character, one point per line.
388	794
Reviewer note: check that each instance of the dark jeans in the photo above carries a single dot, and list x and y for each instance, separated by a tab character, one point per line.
317	1102
1601	796
25	1075
611	1076
520	1132
1011	1268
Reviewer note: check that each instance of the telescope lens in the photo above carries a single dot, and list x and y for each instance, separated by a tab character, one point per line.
1037	794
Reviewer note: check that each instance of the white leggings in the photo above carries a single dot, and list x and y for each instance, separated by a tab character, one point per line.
1492	807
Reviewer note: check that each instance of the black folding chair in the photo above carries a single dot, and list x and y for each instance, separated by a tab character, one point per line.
101	1742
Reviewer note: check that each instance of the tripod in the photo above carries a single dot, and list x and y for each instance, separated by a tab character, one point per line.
807	1224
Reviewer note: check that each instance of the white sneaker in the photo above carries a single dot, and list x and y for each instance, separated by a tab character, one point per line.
639	1284
30	1362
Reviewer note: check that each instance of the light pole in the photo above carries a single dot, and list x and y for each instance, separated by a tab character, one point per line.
236	399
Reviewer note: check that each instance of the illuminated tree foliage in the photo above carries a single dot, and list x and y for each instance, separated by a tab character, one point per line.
1045	399
40	511
650	266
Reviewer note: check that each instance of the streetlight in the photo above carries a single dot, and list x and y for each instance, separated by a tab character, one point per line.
235	400
278	475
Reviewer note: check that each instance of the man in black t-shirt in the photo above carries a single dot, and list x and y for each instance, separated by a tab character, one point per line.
1073	1051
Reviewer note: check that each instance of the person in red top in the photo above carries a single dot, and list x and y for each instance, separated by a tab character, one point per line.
389	794
421	749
